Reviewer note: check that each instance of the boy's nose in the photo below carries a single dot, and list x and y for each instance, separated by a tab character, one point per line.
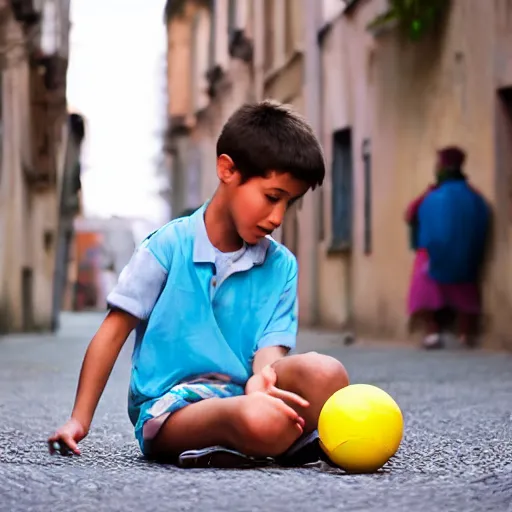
276	217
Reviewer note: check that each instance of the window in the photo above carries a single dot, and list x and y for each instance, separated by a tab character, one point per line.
504	150
27	289
269	34
1	124
194	79
349	3
231	18
211	56
289	35
48	240
367	162
342	190
201	65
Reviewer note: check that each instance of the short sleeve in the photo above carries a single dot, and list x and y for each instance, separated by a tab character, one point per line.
282	328
142	280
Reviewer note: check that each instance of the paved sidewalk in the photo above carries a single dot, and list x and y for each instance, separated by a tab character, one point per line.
456	454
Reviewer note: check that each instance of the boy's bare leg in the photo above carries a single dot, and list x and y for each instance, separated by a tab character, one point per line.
314	377
256	424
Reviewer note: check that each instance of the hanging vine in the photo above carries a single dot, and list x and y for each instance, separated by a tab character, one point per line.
414	17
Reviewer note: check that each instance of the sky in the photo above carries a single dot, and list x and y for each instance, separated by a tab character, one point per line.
117	81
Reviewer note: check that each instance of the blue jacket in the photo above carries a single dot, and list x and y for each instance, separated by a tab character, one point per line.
453	228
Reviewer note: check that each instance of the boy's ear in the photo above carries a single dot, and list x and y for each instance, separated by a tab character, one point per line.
226	170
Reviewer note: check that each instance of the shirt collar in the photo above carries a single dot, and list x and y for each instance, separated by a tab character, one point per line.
204	252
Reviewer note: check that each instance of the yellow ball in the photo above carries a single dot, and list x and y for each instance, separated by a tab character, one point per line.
360	428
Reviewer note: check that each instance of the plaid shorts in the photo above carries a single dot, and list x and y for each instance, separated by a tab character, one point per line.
181	395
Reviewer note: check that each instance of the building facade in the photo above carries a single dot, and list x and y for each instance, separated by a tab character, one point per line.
35	128
381	104
209	75
388	104
69	194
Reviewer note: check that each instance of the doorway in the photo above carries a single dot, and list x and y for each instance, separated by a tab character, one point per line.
27	287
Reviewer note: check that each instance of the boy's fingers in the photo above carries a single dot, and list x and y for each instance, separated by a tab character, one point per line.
63	445
71	445
269	374
57	447
292	414
289	396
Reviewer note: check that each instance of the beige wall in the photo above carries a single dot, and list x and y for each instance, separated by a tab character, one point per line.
409	99
178	65
27	216
16	249
41	223
498	290
189	40
280	61
236	89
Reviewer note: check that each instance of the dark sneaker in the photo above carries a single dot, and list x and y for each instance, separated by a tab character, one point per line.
220	457
306	450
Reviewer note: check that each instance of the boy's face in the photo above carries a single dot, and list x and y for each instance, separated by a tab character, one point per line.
258	206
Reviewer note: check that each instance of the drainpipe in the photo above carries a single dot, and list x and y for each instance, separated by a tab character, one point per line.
312	95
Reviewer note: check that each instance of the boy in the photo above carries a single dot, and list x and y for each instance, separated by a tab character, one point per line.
213	300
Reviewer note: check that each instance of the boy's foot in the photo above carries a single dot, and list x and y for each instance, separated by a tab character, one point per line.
306	450
220	457
433	341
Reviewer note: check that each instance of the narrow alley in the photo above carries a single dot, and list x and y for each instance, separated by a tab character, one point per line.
455	454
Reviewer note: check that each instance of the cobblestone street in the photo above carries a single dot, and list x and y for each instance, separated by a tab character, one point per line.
456	453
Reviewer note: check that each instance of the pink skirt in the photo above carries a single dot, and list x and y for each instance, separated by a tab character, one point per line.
425	294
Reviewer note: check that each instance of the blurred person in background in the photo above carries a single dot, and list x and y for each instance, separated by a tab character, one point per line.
449	225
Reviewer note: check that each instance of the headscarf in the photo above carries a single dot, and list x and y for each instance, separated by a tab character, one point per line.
451	159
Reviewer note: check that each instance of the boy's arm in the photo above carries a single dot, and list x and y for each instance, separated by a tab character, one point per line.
99	360
267	356
279	336
131	301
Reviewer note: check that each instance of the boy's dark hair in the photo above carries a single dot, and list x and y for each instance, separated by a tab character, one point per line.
269	136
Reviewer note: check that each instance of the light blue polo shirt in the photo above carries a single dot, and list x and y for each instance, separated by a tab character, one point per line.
194	322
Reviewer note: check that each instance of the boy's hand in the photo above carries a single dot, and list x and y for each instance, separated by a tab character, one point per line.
265	382
273	420
67	436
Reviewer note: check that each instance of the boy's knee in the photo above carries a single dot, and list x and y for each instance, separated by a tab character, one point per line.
259	434
331	371
314	369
